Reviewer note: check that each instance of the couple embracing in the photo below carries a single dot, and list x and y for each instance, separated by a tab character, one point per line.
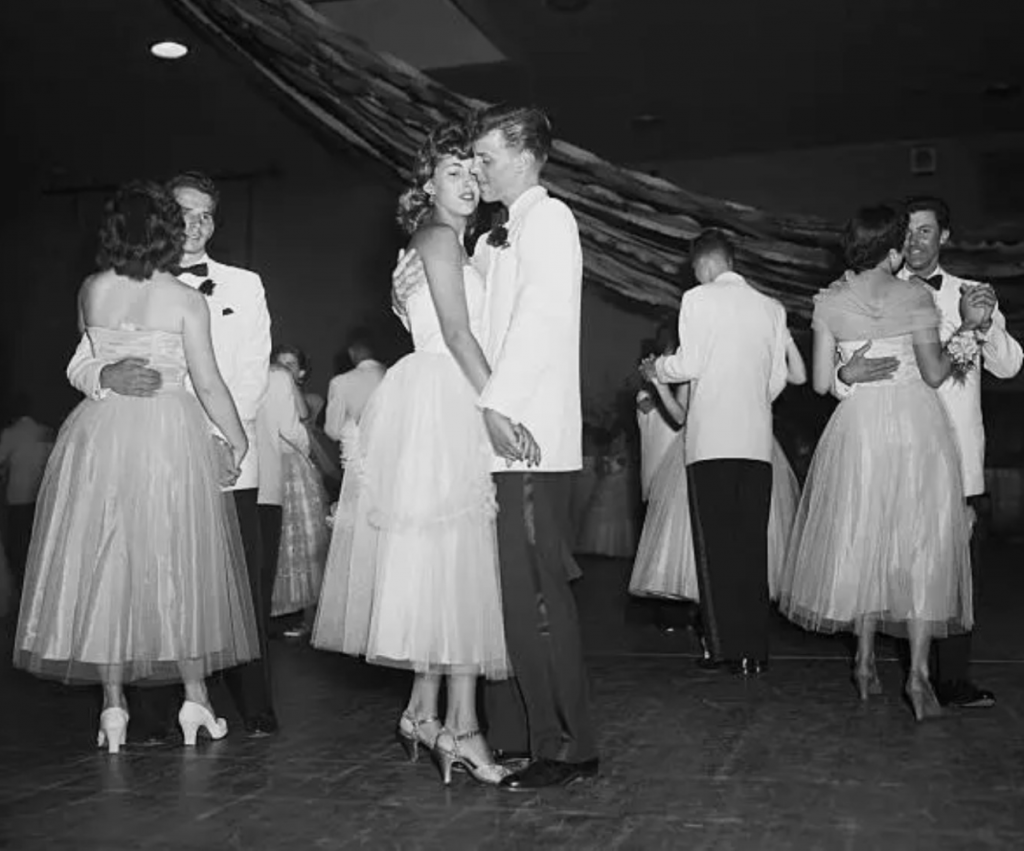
435	565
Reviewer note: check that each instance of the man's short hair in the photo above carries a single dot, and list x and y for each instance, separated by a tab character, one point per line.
198	181
525	128
362	338
712	241
923	203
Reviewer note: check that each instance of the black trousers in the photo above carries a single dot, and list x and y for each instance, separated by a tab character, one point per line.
729	503
271	517
154	709
545	709
19	537
951	657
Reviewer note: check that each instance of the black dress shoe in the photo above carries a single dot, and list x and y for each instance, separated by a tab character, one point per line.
707	663
542	773
502	755
964	695
264	724
748	666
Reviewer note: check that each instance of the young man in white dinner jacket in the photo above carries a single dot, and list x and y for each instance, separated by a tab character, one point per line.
240	327
966	307
732	348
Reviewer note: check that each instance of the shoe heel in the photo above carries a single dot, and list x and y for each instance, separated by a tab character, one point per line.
192	716
113	729
411	746
189	731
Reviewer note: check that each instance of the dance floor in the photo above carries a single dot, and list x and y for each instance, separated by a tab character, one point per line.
690	760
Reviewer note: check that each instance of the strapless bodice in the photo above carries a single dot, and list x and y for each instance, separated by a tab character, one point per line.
424	324
164	351
900	347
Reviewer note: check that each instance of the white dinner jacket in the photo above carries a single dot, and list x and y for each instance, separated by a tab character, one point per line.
531	328
1000	354
732	346
240	328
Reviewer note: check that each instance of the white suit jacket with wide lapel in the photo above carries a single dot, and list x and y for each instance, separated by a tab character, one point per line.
531	328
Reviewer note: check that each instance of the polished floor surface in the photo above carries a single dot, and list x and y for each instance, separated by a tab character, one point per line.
690	760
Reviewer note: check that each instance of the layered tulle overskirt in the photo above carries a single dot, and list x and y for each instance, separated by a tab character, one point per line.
136	563
882	529
412	573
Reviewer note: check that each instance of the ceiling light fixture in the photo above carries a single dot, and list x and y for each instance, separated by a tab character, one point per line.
168	50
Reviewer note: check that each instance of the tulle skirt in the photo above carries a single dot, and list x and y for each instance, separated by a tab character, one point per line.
136	560
666	564
305	536
785	498
882	529
412	573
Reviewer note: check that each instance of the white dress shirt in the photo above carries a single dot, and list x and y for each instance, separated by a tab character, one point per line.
1000	354
531	333
240	328
278	430
25	447
733	348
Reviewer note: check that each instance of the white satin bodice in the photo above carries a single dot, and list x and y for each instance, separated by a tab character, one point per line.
164	351
424	324
901	348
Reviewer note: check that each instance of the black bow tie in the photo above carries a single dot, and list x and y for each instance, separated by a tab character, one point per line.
200	270
935	282
206	287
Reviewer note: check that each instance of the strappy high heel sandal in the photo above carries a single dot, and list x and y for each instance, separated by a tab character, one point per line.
448	754
410	735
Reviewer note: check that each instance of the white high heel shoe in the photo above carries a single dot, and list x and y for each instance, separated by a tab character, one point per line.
194	715
113	729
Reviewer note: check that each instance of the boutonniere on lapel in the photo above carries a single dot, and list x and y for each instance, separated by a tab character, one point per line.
497	237
207	287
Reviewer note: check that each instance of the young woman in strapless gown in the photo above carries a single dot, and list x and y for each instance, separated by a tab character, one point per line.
136	570
881	538
412	574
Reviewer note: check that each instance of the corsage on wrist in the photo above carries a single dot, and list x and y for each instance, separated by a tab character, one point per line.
963	351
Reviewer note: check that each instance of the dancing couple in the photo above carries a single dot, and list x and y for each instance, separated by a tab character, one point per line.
434	565
882	535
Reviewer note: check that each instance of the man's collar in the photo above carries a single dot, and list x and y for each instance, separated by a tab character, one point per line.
730	277
525	201
906	273
368	362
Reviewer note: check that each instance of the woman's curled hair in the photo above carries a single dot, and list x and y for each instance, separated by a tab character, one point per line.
449	139
871	234
143	231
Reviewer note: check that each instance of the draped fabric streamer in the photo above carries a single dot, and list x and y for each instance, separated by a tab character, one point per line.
634	227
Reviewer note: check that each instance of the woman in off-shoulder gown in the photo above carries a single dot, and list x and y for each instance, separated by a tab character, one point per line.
881	535
412	574
136	571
